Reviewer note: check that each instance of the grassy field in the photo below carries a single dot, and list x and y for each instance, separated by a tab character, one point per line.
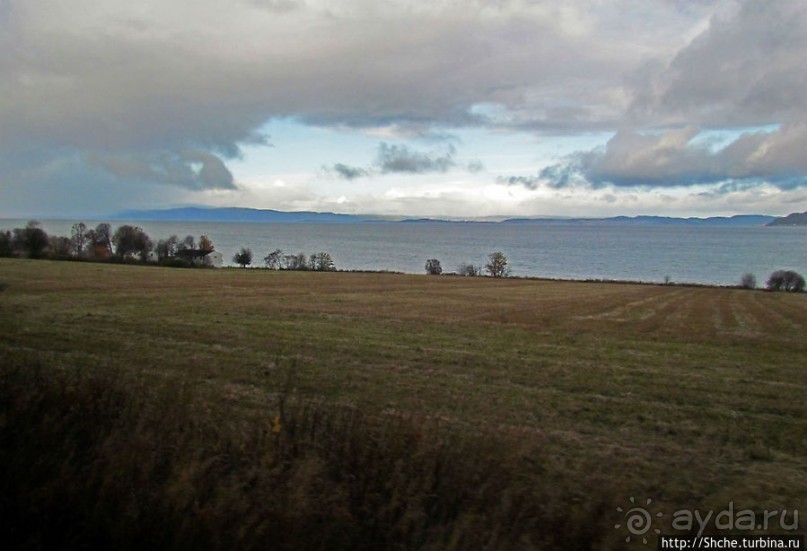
575	396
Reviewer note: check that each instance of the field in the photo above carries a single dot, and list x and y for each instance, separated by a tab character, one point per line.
558	401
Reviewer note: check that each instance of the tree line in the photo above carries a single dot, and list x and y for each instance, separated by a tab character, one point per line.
780	280
102	243
277	260
495	267
130	243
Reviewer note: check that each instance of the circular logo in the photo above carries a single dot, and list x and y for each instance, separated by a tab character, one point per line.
638	520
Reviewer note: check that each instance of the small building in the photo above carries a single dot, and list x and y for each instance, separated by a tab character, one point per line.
215	259
201	257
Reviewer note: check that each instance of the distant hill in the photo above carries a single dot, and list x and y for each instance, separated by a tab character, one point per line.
794	219
237	214
742	220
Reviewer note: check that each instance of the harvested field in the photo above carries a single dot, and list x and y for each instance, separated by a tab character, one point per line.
692	396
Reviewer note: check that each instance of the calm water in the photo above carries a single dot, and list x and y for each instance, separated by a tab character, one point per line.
696	255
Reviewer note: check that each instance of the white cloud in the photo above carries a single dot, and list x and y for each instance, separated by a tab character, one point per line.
747	68
163	94
675	158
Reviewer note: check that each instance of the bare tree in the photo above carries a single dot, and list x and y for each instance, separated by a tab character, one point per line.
78	238
497	265
273	259
322	262
469	270
295	262
205	244
60	247
188	243
100	240
167	248
748	281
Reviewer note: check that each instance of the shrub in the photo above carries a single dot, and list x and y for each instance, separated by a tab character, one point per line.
297	262
433	267
109	461
274	259
243	257
748	281
785	280
322	262
31	240
497	265
469	270
6	244
130	240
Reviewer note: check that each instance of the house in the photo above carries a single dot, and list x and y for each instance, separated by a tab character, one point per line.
215	259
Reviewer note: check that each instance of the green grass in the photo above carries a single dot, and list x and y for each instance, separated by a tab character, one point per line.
512	413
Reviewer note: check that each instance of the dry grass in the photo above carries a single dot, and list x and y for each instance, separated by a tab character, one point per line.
691	396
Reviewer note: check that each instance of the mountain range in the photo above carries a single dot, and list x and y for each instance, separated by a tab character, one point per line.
238	214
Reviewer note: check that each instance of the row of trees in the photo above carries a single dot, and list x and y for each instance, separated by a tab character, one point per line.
496	267
276	260
102	243
132	243
780	280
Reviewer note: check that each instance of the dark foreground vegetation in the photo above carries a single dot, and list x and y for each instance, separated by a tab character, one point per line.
253	409
105	461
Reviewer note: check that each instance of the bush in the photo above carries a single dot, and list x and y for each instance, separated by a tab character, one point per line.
748	281
322	262
497	265
30	240
469	270
6	244
433	267
243	257
108	461
785	280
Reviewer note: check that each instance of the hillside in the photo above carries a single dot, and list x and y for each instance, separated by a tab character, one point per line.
794	219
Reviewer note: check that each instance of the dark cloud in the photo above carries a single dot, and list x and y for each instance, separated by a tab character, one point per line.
349	172
675	158
400	158
557	176
155	74
165	91
190	169
529	182
747	68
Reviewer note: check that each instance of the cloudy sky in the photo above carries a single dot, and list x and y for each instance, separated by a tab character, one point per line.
448	107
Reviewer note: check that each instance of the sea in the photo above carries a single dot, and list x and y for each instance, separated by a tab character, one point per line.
676	254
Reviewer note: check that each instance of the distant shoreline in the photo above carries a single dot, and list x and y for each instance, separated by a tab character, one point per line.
197	214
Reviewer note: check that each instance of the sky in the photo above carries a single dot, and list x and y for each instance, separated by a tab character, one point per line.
461	108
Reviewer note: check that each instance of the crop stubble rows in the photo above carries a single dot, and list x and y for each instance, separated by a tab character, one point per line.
627	383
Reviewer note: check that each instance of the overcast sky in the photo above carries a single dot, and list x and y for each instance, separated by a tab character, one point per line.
447	107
